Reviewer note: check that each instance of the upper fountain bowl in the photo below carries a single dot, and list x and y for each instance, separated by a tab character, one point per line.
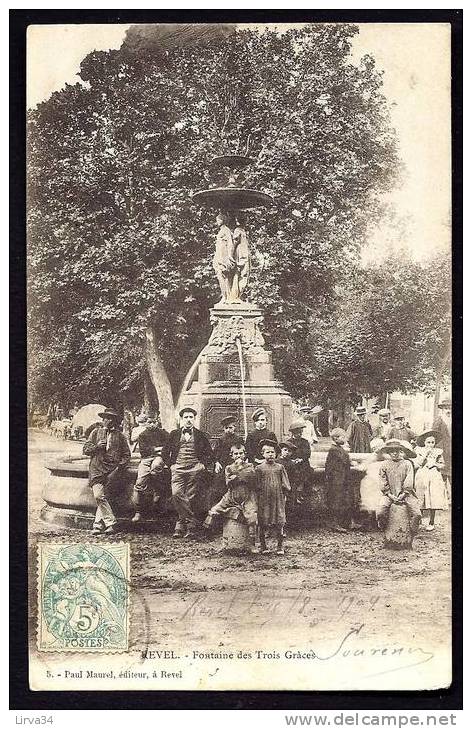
233	161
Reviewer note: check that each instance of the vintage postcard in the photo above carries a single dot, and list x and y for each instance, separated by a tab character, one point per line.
239	356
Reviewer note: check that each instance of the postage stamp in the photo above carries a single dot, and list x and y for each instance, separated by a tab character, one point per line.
83	597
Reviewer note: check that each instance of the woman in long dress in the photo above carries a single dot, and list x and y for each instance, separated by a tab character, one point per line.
429	483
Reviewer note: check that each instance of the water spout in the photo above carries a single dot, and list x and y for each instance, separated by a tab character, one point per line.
243	391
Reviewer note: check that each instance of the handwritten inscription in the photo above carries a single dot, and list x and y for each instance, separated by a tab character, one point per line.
270	605
262	607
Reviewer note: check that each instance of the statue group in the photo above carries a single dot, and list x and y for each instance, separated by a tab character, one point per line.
231	260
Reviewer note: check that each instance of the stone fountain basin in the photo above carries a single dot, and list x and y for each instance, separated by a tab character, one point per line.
69	501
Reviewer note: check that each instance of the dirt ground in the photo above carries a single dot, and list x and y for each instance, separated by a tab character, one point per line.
370	618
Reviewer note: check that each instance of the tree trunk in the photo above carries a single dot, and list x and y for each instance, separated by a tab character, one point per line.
160	380
190	374
149	398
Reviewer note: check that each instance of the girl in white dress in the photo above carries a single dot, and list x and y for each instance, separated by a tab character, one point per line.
429	484
370	492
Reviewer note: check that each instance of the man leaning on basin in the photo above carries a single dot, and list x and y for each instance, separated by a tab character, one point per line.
109	456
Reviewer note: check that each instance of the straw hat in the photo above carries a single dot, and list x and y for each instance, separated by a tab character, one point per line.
398	445
427	433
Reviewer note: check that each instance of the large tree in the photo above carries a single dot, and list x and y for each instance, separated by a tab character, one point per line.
390	330
120	276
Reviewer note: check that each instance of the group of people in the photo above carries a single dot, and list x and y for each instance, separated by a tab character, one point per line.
259	481
403	469
253	480
360	433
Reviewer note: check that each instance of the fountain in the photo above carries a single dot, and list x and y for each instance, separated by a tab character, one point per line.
234	373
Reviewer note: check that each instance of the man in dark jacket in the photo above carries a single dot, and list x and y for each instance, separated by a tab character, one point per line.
190	458
109	455
442	424
359	433
339	493
150	470
256	436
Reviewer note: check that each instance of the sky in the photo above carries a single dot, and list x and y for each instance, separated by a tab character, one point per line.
416	63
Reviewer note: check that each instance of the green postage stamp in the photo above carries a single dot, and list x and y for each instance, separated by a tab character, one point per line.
83	597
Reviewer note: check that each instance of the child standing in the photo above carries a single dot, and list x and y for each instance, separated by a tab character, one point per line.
339	493
286	460
397	483
272	486
430	488
239	502
303	476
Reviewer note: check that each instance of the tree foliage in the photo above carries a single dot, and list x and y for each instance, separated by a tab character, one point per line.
116	244
390	330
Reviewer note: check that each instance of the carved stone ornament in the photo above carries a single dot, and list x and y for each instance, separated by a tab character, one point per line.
226	331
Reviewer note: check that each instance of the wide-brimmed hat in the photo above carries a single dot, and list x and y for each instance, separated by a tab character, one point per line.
398	445
268	442
361	410
305	409
297	425
338	432
285	444
446	403
383	411
228	420
427	433
187	409
109	413
257	413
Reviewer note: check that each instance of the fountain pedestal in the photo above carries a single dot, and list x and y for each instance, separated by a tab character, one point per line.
216	390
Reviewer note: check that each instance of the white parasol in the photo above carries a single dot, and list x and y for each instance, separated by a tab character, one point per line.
86	415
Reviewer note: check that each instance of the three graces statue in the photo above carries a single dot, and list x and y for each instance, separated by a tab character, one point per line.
231	260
